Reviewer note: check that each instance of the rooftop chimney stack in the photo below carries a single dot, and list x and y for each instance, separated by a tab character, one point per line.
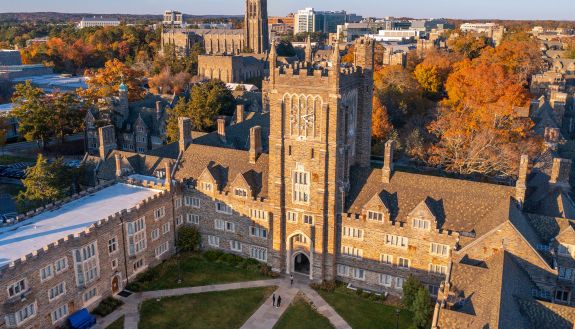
387	170
255	143
107	140
560	172
222	129
185	128
240	113
118	165
168	175
521	184
158	111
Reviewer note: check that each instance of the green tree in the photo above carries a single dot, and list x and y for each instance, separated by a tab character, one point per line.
33	113
68	114
422	309
180	110
411	287
285	48
44	183
188	238
207	101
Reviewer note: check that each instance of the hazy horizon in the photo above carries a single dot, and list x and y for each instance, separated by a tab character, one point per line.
457	9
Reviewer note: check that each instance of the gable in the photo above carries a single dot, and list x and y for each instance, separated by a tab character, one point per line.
423	211
377	203
567	236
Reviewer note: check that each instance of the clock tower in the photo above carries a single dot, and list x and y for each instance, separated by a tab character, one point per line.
319	116
256	26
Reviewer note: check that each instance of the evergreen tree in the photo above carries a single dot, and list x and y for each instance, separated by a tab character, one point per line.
44	183
410	288
33	113
188	238
422	309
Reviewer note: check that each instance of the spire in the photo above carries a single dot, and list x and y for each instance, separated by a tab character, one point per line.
308	56
273	55
336	59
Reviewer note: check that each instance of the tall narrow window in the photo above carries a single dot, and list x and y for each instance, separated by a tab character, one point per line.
301	185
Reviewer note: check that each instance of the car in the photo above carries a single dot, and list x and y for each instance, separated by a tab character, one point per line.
8	217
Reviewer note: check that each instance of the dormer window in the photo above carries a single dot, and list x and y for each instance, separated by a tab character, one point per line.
374	215
421	224
240	192
206	186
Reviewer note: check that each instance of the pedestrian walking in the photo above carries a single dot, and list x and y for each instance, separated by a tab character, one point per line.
279	301
273	300
291	279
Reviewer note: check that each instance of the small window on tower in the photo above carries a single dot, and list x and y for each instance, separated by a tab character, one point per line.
289	150
312	153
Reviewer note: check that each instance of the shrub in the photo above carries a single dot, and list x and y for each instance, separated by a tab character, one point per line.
359	291
213	255
188	238
107	306
366	294
325	285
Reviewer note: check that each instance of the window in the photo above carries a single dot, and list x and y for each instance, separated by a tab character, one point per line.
140	149
223	208
230	227
161	249
437	269
235	245
179	220
403	263
385	280
292	216
396	241
112	245
373	215
439	249
352	232
193	219
258	214
214	241
24	314
178	203
240	192
206	186
136	236
192	202
342	270
300	238
301	185
562	295
308	219
259	232
155	234
59	313
386	259
61	265
86	264
89	295
421	224
399	283
541	294
565	273
259	253
351	252
57	291
358	274
166	228
159	213
220	224
138	265
114	263
433	289
46	273
17	288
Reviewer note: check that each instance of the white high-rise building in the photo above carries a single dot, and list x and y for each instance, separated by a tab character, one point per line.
304	21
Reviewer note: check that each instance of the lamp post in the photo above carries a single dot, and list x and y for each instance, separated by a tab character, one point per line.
397	311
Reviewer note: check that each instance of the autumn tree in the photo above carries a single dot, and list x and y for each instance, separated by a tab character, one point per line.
67	113
105	82
380	125
477	127
469	45
569	46
165	82
433	71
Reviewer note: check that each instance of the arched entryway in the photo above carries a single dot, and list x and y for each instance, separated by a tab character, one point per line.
115	284
301	263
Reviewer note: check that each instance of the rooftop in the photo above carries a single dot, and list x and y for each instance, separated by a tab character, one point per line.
71	218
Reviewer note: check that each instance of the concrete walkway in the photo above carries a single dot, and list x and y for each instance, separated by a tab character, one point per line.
265	317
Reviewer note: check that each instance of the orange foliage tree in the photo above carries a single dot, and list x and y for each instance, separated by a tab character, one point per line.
105	82
433	71
380	125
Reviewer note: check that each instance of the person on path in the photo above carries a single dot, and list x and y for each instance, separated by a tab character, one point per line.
273	300
291	279
279	301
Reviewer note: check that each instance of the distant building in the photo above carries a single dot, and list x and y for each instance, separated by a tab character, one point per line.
173	18
396	35
231	69
426	25
36	40
308	20
98	22
491	30
10	57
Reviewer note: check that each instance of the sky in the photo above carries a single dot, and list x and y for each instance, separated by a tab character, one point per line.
466	9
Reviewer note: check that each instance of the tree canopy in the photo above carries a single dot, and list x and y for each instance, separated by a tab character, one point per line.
106	81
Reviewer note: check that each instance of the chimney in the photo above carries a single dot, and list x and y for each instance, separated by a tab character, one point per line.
107	140
168	175
222	129
560	172
118	165
158	111
387	170
185	128
239	113
521	184
255	143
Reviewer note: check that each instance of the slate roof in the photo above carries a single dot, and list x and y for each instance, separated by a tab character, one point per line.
458	205
134	162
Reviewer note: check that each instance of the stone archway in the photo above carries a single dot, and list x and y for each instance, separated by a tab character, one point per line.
301	263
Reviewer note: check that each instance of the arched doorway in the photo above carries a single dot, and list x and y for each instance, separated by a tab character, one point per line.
115	284
301	263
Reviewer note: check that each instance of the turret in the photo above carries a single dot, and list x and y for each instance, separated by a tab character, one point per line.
308	52
123	108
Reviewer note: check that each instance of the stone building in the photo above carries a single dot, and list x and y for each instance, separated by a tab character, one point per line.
232	69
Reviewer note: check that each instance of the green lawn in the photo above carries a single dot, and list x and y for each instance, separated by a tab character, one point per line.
221	309
118	324
302	316
196	270
362	313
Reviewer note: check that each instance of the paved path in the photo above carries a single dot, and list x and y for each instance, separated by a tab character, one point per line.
265	317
